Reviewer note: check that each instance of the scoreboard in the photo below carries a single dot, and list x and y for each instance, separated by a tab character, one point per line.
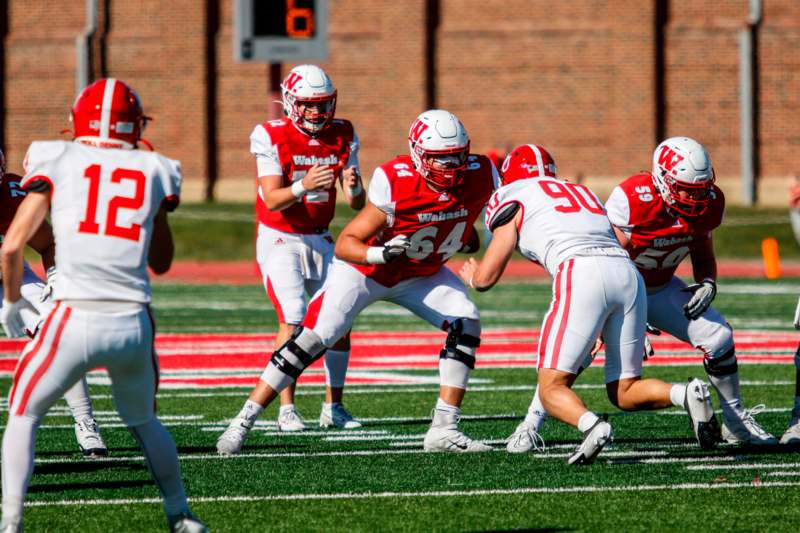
280	30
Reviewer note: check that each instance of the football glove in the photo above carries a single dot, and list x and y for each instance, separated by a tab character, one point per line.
703	294
797	315
11	318
391	250
47	292
648	346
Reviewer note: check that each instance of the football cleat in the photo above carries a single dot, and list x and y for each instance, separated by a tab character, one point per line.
742	428
290	420
594	439
89	439
232	440
792	434
701	414
186	523
444	436
335	415
524	439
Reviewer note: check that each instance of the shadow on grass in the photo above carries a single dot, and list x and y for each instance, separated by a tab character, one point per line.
45	488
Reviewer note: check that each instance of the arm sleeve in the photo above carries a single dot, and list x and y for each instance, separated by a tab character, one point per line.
380	194
267	160
355	144
619	211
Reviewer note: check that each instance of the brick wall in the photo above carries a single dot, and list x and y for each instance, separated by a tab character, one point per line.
578	77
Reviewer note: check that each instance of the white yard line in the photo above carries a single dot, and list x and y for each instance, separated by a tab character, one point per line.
746	466
426	494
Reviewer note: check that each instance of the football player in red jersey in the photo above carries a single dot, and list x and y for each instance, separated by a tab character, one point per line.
38	294
299	160
421	212
660	218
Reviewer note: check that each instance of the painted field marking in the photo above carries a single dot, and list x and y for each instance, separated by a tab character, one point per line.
426	494
747	466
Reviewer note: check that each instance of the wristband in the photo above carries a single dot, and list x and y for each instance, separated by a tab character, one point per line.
375	255
298	190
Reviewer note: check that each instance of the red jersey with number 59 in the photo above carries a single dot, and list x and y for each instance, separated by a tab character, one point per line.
438	224
282	149
102	205
659	238
11	195
559	220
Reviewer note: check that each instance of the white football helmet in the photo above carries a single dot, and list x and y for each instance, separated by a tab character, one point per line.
683	174
439	147
308	85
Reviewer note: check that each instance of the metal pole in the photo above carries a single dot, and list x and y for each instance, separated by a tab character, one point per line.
83	48
274	110
748	82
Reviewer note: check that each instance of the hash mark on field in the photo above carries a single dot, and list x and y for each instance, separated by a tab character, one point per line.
429	494
746	466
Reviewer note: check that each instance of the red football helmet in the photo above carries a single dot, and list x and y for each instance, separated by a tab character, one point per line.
108	113
683	174
527	161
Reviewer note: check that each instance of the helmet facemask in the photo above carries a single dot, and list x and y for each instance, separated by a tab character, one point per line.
443	169
310	114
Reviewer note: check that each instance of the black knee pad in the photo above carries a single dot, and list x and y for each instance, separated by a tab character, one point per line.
724	365
291	347
456	339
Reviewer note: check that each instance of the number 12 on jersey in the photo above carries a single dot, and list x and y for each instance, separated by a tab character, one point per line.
89	224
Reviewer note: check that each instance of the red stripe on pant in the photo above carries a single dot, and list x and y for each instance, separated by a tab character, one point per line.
564	316
23	364
548	323
312	315
275	303
45	364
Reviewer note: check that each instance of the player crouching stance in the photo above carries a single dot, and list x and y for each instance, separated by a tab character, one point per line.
38	295
420	212
596	291
108	204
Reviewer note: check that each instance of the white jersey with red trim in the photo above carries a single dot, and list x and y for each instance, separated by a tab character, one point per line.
282	149
559	220
102	206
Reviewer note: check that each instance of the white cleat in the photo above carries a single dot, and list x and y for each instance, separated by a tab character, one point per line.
444	436
524	439
186	523
742	428
290	420
701	414
792	434
335	415
232	440
89	439
594	439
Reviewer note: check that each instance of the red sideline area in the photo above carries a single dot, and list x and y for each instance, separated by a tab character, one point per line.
246	272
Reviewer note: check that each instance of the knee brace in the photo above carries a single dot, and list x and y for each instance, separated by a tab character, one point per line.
723	365
303	348
463	339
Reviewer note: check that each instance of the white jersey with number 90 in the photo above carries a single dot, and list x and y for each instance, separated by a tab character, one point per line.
103	203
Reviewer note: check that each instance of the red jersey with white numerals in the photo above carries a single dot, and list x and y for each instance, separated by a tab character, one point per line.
11	195
438	224
659	238
294	152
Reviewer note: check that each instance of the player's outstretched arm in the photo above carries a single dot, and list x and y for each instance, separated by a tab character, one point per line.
162	248
352	245
704	261
28	219
484	275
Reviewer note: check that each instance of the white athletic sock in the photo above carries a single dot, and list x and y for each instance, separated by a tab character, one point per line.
336	367
78	400
162	460
536	412
727	387
251	410
586	421
283	408
442	405
19	443
677	395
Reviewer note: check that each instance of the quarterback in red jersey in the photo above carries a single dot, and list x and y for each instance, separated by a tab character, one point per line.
38	294
421	211
660	218
299	159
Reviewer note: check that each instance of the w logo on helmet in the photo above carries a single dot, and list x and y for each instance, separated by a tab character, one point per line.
417	129
291	80
668	158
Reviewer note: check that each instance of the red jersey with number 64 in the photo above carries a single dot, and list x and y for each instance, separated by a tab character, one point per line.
659	238
102	205
438	224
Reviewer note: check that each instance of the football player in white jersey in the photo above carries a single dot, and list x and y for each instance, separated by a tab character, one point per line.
108	204
596	290
38	294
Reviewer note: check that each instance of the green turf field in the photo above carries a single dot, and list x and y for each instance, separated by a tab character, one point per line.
377	479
